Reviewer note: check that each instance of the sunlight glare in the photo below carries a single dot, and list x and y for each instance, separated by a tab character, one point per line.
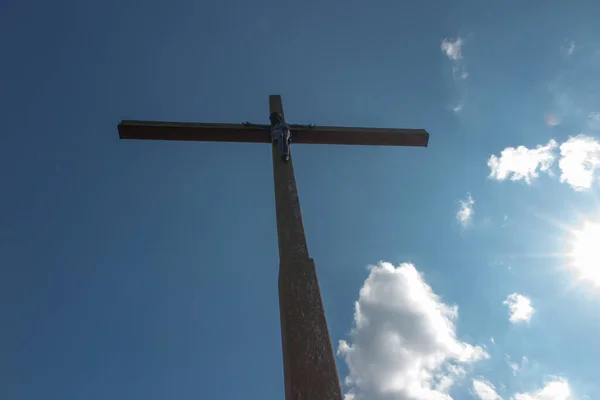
585	254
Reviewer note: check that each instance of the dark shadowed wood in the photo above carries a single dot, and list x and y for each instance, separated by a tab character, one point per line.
154	130
360	136
276	105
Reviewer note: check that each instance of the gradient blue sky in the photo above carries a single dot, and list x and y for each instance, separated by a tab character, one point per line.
147	270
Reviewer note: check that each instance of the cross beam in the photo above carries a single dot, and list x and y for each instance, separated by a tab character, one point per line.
308	358
151	130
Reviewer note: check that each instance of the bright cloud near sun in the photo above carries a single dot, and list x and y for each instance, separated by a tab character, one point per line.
403	343
579	162
466	210
522	163
585	252
519	307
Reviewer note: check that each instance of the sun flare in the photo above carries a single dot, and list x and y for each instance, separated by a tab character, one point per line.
585	254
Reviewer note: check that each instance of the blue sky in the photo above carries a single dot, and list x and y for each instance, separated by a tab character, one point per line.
147	270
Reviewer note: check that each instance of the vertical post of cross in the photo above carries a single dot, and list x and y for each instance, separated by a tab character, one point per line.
309	366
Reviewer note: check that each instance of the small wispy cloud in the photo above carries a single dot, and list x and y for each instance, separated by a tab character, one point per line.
568	48
466	210
522	163
459	72
515	367
453	49
484	390
520	308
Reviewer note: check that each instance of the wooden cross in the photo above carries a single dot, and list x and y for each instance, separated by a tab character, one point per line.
308	358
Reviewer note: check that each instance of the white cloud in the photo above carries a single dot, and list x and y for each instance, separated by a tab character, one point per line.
453	49
557	389
466	211
492	340
484	390
457	108
403	343
580	159
522	163
520	308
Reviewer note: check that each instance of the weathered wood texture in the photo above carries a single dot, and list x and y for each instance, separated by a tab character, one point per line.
309	366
